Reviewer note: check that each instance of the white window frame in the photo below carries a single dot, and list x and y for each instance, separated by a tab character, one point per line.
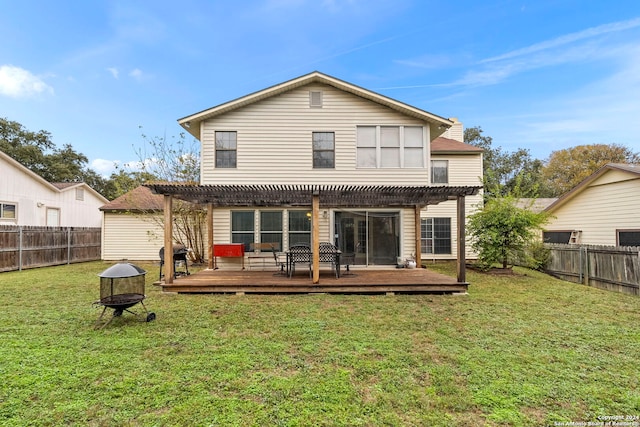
80	194
3	206
323	150
432	169
381	146
226	149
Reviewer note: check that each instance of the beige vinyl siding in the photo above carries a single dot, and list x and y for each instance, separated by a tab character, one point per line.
599	210
448	209
132	237
274	141
464	169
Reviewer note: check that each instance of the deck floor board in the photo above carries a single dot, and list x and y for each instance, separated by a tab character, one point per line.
361	280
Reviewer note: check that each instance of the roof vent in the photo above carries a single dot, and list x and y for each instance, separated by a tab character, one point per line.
315	99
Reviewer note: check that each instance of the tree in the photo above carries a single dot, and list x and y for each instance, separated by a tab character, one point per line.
176	160
503	172
500	231
564	169
38	153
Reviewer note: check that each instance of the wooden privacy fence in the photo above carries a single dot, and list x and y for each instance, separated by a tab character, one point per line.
23	247
605	267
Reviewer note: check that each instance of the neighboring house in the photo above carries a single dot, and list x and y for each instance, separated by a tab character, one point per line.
28	199
132	226
367	161
601	210
535	205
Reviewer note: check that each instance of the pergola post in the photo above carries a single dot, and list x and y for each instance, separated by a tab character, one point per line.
210	236
462	274
418	232
315	236
168	239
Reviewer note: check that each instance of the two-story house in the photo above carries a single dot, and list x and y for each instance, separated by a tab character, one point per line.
28	199
319	159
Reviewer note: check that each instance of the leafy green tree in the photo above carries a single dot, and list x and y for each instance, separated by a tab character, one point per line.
504	171
564	169
38	153
501	230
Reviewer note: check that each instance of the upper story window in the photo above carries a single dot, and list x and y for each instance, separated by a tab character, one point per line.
226	149
439	171
390	147
79	193
7	210
323	150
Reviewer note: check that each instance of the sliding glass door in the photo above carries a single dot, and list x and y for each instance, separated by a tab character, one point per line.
372	236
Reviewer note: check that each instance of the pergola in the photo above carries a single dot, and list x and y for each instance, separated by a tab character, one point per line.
314	196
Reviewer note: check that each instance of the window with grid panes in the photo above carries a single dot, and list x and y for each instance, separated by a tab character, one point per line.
299	228
226	149
435	235
242	228
271	227
323	150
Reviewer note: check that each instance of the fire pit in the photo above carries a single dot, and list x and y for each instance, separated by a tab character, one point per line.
122	287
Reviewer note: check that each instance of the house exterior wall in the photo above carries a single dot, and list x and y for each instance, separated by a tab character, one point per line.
274	141
464	169
33	196
608	204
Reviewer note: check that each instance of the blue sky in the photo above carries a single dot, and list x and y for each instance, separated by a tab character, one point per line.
537	74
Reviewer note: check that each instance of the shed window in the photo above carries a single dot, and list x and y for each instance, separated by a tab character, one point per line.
226	149
323	150
79	193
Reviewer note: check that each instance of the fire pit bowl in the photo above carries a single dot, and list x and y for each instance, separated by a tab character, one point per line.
122	287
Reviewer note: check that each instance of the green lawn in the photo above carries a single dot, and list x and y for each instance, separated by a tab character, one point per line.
529	350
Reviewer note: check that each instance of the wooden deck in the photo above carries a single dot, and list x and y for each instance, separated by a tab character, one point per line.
360	281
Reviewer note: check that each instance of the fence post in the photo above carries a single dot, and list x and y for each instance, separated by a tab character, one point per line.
585	265
20	248
68	245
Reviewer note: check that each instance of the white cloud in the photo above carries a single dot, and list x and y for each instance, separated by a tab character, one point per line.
104	167
136	74
17	82
114	72
568	38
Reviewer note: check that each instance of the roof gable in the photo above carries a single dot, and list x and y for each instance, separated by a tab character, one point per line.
632	171
192	122
22	168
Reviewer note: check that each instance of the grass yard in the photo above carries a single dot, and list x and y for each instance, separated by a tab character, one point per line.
517	351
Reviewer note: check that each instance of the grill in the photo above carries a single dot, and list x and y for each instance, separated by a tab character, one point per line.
179	255
122	287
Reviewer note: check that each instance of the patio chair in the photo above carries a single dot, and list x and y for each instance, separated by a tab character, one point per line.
299	254
329	254
279	263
